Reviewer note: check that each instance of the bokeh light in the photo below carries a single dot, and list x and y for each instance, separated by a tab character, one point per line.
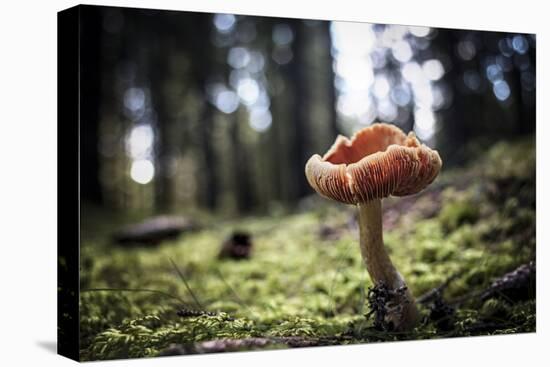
520	45
238	57
433	69
260	119
402	51
142	171
501	90
224	22
419	31
139	143
472	80
424	123
466	50
248	90
282	34
227	101
282	55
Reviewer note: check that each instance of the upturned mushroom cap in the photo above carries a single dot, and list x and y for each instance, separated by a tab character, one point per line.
378	161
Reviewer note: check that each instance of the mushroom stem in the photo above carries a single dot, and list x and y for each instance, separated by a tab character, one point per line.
380	268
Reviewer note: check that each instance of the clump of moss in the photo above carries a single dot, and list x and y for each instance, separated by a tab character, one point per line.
457	213
505	160
510	172
495	309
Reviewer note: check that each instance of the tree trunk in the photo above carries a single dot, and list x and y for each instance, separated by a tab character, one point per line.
204	68
300	106
453	133
164	126
242	177
333	128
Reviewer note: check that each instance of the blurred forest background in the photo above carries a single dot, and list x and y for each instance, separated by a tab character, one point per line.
220	112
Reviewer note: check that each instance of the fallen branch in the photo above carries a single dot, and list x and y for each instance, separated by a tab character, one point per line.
436	292
516	284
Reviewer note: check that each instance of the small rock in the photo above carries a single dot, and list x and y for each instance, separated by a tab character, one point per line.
238	246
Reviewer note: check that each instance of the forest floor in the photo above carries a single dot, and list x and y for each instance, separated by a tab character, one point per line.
305	283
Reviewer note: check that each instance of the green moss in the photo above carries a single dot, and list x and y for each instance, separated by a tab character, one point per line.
506	160
298	284
495	309
458	213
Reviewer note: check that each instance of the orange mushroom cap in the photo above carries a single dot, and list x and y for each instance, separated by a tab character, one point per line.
378	161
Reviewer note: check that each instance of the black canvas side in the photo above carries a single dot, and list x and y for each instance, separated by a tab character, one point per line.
68	214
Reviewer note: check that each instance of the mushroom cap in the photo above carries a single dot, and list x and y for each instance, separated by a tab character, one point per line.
378	161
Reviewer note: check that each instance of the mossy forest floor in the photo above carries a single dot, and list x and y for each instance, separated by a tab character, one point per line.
305	283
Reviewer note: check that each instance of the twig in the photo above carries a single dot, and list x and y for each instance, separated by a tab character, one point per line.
431	294
186	284
516	279
239	299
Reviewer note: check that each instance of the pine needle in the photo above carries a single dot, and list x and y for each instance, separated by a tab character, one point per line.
239	299
186	285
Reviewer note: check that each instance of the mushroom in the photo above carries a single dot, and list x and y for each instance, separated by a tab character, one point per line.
378	161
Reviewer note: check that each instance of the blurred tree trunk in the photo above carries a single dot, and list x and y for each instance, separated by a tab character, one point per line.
453	133
300	107
204	67
207	179
241	169
163	146
525	120
529	96
517	95
275	142
334	130
90	103
280	152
